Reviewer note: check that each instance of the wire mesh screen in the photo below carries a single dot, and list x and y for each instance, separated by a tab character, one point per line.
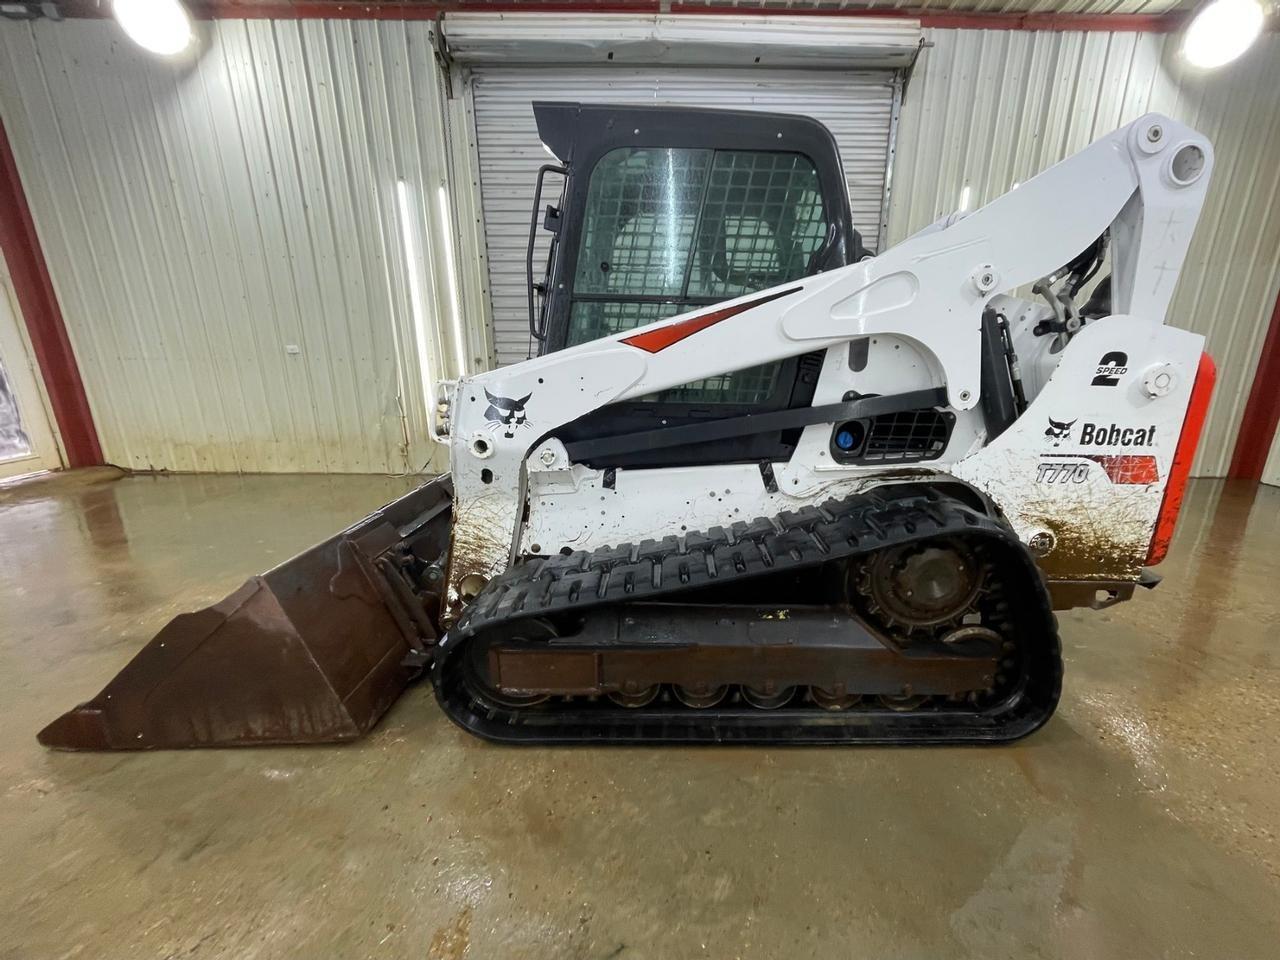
909	436
748	386
593	319
761	222
696	226
642	205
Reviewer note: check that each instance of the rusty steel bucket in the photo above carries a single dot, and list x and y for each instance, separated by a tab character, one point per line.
314	651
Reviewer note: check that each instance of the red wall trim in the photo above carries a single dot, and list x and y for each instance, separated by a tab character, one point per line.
966	20
43	318
1058	23
285	10
1261	410
431	10
369	9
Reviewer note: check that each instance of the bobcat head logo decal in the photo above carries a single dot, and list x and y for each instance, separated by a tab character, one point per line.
506	414
1059	431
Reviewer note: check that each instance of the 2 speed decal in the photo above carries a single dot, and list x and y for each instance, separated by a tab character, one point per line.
1111	368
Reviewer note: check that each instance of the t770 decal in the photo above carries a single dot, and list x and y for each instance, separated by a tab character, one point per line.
1125	468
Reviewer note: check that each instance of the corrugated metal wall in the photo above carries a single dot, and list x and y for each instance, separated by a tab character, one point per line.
226	239
855	106
986	109
200	221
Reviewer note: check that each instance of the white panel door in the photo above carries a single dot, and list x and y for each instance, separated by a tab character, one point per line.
855	106
26	442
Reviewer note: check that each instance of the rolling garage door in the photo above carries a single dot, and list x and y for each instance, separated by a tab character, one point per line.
856	106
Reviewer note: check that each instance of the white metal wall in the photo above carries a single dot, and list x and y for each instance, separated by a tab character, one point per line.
854	106
226	241
987	109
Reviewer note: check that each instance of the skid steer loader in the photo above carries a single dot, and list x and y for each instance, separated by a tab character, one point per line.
759	486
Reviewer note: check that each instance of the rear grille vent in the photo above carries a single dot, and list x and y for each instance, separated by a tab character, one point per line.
912	435
907	437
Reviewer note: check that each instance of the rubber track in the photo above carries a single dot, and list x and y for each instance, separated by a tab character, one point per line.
791	541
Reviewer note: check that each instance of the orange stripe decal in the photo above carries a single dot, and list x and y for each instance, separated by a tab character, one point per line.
1128	467
652	341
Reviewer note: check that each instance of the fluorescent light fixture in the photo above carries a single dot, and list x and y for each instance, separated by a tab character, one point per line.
413	270
459	342
161	26
1222	31
964	198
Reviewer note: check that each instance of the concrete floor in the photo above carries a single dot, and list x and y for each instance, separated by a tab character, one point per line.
1141	822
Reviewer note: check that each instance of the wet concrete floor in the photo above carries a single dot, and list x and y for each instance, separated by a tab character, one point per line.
1141	822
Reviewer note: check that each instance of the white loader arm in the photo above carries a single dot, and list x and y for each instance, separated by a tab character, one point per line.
1145	183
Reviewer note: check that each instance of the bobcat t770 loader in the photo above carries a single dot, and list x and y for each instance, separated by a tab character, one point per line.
759	486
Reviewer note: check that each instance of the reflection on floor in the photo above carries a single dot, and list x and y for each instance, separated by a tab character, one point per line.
1142	822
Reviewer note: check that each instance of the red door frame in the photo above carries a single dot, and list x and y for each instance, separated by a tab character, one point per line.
1262	410
43	318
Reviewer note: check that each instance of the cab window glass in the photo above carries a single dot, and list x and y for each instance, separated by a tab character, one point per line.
668	230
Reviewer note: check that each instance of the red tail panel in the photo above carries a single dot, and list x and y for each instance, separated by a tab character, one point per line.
1188	440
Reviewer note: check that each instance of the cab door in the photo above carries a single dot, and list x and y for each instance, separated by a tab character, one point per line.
668	210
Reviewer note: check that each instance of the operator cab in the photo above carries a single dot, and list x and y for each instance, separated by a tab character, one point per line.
667	210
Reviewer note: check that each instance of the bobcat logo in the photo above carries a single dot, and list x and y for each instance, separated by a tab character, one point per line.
506	414
1059	431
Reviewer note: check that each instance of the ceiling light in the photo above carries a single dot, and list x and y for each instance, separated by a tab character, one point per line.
1222	31
161	26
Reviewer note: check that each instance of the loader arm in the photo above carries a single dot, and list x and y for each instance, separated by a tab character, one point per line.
1144	183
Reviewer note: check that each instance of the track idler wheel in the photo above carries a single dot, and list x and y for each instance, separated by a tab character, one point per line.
834	698
700	697
476	663
633	699
770	698
903	702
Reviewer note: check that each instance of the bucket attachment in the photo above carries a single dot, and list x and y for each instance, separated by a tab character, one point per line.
314	651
